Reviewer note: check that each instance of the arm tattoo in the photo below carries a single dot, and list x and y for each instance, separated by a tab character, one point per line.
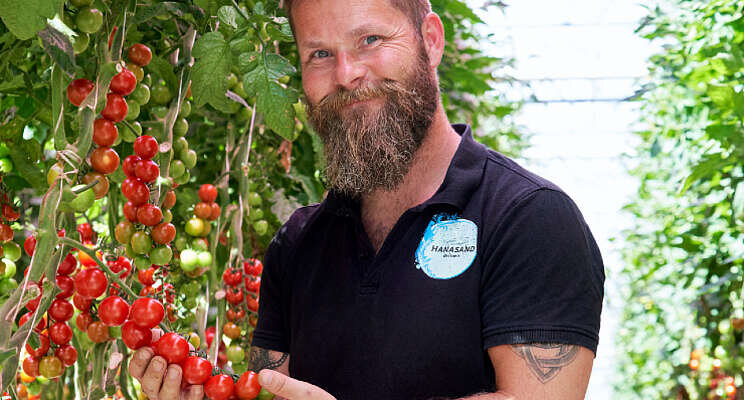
545	360
261	359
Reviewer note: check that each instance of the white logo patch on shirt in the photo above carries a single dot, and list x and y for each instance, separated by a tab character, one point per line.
448	247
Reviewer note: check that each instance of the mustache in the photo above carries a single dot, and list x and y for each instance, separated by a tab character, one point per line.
343	97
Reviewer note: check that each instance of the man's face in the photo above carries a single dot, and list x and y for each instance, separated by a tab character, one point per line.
370	90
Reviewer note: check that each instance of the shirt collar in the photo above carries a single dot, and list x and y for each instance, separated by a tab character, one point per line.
462	179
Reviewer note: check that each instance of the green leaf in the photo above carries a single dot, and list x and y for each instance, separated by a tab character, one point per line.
26	160
229	15
282	33
710	164
273	100
212	65
24	18
164	69
58	109
15	83
722	96
59	48
144	14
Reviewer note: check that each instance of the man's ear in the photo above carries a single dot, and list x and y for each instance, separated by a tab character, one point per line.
432	32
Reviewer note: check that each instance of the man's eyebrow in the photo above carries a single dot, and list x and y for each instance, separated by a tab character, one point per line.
358	31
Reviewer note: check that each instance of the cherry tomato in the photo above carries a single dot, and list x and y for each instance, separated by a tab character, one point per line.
129	164
163	233
42	349
123	232
234	295
101	188
85	231
135	191
113	311
172	347
247	387
105	132
33	304
60	310
29	245
135	336
83	320
124	82
60	333
98	332
81	303
231	330
141	243
66	285
139	54
251	303
209	334
89	20
170	200
67	265
126	267
104	160
147	170
207	193
219	387
68	354
203	210
147	312
87	260
10	213
253	267
31	366
253	285
216	210
196	370
116	108
90	283
146	147
145	276
149	214
78	90
6	233
232	277
130	211
27	317
136	70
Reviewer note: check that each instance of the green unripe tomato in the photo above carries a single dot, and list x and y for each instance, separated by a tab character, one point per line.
181	127
141	242
142	262
133	110
181	243
190	303
199	244
12	251
204	258
177	168
115	332
194	226
244	114
4	150
129	251
185	110
161	94
159	111
240	90
183	179
167	216
89	20
231	80
141	94
81	43
6	165
254	199
9	268
180	147
189	260
161	255
261	227
284	79
189	159
235	354
84	200
265	395
256	214
7	286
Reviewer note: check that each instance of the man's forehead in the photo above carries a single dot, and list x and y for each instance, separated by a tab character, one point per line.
352	17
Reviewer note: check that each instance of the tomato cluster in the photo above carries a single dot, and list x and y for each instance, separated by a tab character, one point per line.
194	256
9	214
10	250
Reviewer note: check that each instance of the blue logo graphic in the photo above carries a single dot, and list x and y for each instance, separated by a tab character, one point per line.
448	247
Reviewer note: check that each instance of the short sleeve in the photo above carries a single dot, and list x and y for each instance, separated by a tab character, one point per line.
543	275
271	330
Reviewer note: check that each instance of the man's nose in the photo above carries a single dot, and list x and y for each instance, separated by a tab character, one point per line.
349	71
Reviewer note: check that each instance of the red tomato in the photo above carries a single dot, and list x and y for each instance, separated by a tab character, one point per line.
81	303
78	90
113	311
147	170
253	267
130	211
253	285
149	214
10	213
66	285
247	387
170	200
90	283
209	334
128	165
68	354
208	193
60	333
251	303
85	231
234	296
127	267
83	320
29	245
135	336
111	36
42	349
196	370
116	108
98	332
232	277
105	132
139	54
147	312
146	147
145	276
60	310
104	160
123	83
163	233
67	265
203	210
87	260
6	233
31	366
27	317
219	387
172	347
135	191
216	210
32	305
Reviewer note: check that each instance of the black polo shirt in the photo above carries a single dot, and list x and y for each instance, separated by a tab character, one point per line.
497	256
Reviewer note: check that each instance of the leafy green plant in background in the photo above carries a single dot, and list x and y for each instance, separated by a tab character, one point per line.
681	329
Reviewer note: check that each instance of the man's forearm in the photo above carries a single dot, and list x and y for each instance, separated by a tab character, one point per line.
486	396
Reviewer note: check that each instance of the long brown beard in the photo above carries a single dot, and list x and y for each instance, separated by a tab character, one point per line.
368	149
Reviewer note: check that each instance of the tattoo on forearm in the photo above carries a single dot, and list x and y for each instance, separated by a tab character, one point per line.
545	360
262	359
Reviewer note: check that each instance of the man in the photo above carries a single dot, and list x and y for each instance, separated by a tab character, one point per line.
435	268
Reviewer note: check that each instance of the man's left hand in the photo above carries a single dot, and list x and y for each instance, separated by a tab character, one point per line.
290	389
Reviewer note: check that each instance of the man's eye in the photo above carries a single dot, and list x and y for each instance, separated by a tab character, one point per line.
371	39
320	54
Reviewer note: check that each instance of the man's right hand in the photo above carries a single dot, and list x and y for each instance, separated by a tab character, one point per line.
159	380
